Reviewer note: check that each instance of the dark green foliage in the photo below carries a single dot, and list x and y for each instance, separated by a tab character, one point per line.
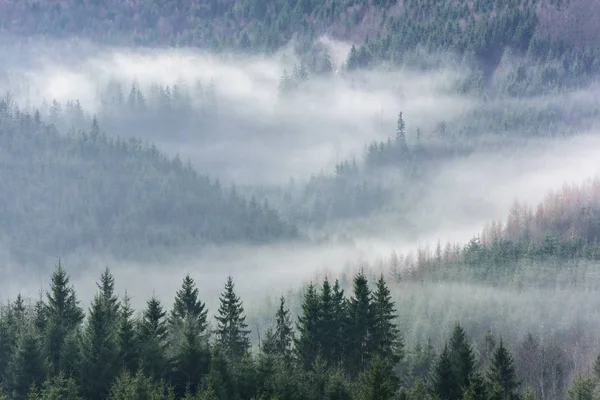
385	336
192	357
463	360
111	302
326	327
99	351
278	342
232	330
476	389
136	387
58	388
128	340
442	380
307	344
188	305
502	376
360	327
153	340
26	368
379	382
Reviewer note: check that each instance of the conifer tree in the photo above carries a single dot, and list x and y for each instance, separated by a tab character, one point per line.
502	376
360	326
99	352
26	368
306	345
339	323
191	358
107	290
475	390
279	340
62	313
153	339
187	304
127	338
463	359
326	324
232	332
58	388
401	134
135	387
385	337
70	355
379	382
442	380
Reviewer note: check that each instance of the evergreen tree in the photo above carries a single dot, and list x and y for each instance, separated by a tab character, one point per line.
442	380
326	329
502	376
360	326
279	340
191	358
135	387
58	388
26	368
339	322
418	391
62	314
127	338
306	345
379	382
463	360
99	360
401	134
187	305
153	339
111	301
385	337
232	329
70	355
476	389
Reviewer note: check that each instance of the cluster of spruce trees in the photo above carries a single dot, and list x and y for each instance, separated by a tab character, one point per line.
342	348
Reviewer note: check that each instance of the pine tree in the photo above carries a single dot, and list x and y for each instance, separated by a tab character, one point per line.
401	134
442	379
135	387
385	338
502	373
463	360
58	388
379	382
339	323
111	301
475	390
418	391
360	326
279	340
187	305
232	329
191	358
62	314
99	359
326	329
306	345
70	355
26	367
153	339
127	338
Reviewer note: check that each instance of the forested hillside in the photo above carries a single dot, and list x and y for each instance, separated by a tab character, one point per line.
84	191
556	38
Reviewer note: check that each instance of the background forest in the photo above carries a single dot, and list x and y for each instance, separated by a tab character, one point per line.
348	162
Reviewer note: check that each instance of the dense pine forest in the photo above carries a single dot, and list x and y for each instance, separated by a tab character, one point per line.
340	346
330	155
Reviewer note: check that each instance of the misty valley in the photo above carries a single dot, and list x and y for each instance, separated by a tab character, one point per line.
299	200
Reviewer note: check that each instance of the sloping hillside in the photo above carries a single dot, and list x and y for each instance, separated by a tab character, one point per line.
60	194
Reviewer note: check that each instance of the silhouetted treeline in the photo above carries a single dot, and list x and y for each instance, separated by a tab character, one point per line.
340	346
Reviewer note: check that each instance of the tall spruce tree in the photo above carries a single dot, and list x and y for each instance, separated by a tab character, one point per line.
463	360
502	377
232	332
326	324
385	337
62	315
153	339
339	323
379	382
192	357
476	389
107	291
127	338
306	345
58	388
360	326
279	340
26	367
187	304
442	379
99	351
